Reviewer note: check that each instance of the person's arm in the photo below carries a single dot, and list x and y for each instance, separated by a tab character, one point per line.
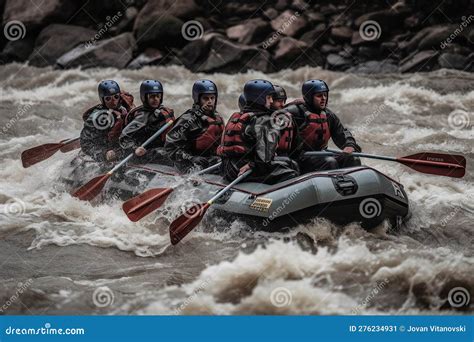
341	136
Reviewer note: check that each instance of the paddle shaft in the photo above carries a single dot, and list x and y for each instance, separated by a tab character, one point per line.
235	181
145	144
329	152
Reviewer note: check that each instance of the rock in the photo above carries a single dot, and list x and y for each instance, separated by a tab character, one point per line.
149	57
452	61
374	67
326	48
242	10
289	23
316	18
328	9
115	52
281	5
315	36
369	52
287	50
249	32
341	33
429	37
38	13
271	13
215	53
126	21
387	19
337	62
421	61
159	30
183	9
17	50
57	39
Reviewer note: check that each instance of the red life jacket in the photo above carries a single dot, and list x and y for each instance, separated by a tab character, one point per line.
209	140
232	143
167	113
315	131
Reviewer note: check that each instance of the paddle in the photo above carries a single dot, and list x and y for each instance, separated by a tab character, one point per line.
449	165
92	188
185	223
37	154
139	206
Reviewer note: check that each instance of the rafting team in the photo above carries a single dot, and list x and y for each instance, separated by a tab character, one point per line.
267	135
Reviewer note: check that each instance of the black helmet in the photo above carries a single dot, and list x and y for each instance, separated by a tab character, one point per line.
312	87
150	87
242	101
108	88
203	87
280	93
256	91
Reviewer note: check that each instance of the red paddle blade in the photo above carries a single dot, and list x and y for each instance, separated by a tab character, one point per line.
185	223
449	165
91	189
75	144
140	206
39	153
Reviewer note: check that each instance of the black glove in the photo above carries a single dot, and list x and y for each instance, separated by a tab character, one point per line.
200	161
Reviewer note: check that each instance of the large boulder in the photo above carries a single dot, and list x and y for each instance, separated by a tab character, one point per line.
421	61
114	52
429	37
315	36
148	57
289	23
183	9
159	30
36	13
288	51
452	61
250	32
55	40
215	53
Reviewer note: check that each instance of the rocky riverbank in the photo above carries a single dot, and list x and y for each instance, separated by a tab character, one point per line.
232	36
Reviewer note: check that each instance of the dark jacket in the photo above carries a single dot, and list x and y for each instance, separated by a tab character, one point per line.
142	122
101	132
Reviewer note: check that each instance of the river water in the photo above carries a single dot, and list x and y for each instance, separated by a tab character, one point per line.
62	256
